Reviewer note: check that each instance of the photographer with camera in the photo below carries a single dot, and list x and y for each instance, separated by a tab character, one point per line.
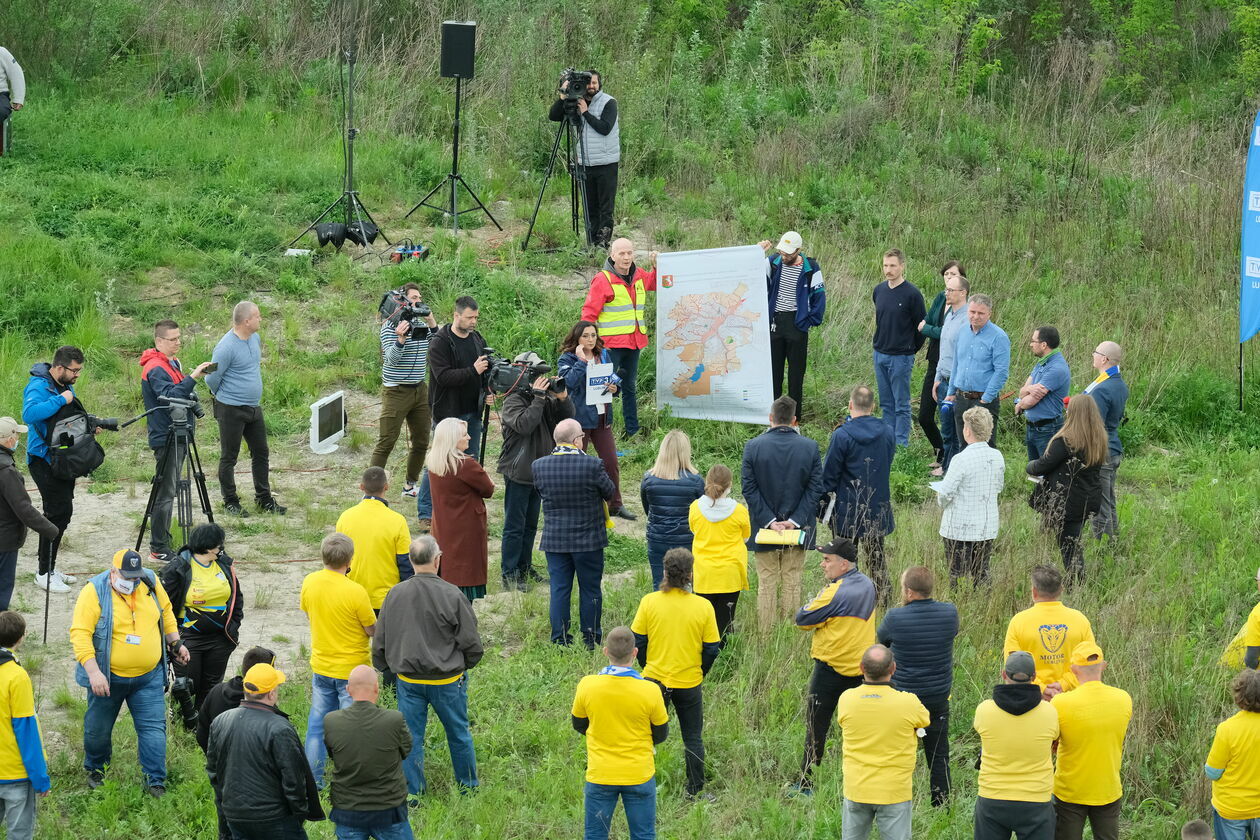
405	335
236	382
457	362
48	399
529	415
580	98
162	376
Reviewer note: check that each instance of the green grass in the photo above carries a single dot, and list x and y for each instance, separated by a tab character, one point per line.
167	185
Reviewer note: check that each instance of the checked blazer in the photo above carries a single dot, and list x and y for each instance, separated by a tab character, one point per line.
573	487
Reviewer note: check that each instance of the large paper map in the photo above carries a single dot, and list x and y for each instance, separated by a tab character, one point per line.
713	359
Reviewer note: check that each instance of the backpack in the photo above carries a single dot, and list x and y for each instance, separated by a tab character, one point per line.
72	448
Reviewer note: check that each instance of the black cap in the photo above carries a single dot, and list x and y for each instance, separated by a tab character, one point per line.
129	564
841	546
1020	666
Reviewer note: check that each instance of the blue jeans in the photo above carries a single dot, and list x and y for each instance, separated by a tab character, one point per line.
949	434
397	831
656	558
521	506
626	364
589	568
892	376
328	694
450	701
1037	438
424	500
143	696
1231	829
640	803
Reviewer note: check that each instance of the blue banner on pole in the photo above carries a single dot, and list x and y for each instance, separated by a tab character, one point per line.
1249	287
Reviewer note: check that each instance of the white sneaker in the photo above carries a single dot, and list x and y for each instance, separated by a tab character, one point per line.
68	580
411	489
53	585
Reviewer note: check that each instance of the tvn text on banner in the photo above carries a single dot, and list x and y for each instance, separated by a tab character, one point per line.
713	357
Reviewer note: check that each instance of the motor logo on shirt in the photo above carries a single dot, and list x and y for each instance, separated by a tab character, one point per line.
1052	636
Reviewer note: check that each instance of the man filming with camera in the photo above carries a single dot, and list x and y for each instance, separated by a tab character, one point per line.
529	415
598	145
404	394
162	376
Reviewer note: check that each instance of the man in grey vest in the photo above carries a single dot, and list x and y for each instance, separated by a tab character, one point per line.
599	150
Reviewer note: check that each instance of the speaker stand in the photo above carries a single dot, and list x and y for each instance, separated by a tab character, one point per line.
454	179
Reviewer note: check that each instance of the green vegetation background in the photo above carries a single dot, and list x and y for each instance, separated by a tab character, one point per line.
1082	159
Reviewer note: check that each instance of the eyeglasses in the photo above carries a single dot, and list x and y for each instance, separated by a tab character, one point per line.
1096	353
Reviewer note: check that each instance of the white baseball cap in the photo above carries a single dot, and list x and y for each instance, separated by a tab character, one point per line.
9	427
789	243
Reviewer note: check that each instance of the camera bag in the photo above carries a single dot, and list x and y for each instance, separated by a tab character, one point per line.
73	451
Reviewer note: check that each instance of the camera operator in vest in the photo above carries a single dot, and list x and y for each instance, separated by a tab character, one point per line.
162	376
49	403
600	137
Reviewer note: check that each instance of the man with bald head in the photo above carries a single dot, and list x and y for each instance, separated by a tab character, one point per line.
617	304
367	745
1110	392
575	490
236	383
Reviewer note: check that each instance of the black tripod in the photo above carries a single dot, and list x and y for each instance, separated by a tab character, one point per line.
569	126
354	228
453	179
180	445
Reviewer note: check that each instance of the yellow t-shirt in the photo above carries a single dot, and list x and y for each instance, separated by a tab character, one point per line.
676	623
338	609
1049	631
1251	638
721	556
1236	750
379	536
208	592
17	700
880	742
138	628
622	711
1015	752
1093	720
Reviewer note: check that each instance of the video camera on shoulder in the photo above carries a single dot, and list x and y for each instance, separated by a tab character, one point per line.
396	307
503	376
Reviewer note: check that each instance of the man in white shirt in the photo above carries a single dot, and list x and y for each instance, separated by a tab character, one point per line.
12	85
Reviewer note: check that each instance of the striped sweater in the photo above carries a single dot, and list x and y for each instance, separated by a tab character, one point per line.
405	364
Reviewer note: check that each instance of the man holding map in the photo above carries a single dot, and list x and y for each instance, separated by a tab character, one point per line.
617	304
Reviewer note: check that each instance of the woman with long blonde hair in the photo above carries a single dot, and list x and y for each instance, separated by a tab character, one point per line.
667	491
720	526
459	487
1071	489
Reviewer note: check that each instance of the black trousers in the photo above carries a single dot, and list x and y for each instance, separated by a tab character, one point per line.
723	610
1070	820
969	558
997	819
207	661
1072	549
57	496
237	423
601	196
825	688
928	414
788	343
936	747
961	404
688	704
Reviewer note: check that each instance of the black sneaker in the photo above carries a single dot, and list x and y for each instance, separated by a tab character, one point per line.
272	506
622	513
509	583
235	509
95	778
534	576
156	791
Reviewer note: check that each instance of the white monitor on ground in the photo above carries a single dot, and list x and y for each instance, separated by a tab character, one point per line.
328	423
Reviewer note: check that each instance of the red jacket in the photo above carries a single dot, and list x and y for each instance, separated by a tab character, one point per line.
601	293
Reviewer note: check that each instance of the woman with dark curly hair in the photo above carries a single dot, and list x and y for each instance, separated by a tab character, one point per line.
1233	764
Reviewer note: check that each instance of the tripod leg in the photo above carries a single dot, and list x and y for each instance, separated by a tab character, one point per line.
199	478
379	230
318	219
469	190
424	201
551	165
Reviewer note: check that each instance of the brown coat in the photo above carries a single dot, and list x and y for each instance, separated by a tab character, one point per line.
459	522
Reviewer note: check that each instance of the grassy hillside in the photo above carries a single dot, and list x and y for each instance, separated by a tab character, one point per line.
167	155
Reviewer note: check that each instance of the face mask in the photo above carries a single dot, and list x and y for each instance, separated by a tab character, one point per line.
123	586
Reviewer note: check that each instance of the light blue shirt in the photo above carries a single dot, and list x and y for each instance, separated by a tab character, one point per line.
955	319
238	381
1053	373
982	361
